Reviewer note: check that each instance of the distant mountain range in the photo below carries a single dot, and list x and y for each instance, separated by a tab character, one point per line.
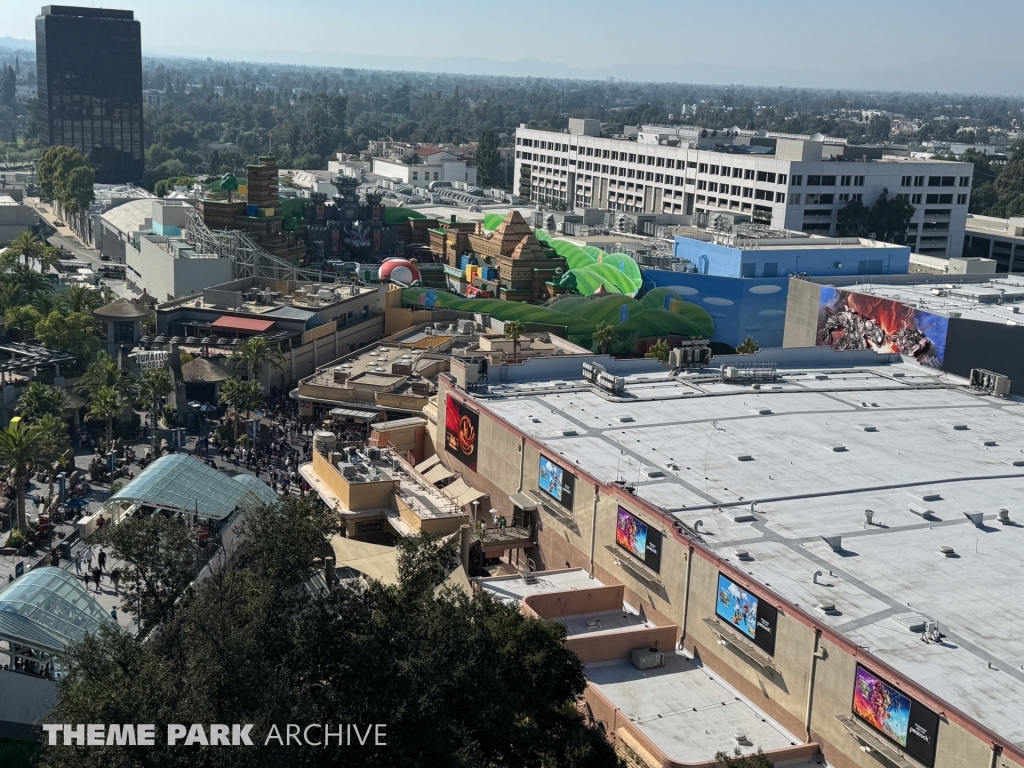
16	44
948	75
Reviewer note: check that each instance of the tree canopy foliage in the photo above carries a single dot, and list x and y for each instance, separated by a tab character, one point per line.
458	680
887	220
66	177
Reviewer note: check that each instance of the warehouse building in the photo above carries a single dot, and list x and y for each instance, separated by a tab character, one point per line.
952	323
834	534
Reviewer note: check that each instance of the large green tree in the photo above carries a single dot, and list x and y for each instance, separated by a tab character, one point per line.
256	352
887	220
38	399
66	177
155	385
71	333
488	161
459	681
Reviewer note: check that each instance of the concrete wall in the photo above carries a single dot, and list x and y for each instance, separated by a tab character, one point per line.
24	699
728	261
740	307
165	277
684	593
802	302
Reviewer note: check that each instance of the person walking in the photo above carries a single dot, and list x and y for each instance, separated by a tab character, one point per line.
103	560
115	578
88	559
78	562
113	613
96	575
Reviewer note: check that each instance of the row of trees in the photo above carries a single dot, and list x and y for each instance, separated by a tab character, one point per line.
66	177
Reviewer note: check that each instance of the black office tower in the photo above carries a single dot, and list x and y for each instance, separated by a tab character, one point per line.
89	73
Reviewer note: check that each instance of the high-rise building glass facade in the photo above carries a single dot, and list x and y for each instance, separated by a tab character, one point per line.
89	71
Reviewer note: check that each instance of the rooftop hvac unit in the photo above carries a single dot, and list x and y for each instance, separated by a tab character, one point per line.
466	327
990	381
374	454
647	658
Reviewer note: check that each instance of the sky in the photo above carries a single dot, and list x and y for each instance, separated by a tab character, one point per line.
950	46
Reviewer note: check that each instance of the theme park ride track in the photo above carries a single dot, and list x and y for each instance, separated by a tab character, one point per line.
247	258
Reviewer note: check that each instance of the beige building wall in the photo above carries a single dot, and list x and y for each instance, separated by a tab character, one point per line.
801	314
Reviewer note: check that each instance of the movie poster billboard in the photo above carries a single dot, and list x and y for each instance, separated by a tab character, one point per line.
848	320
896	716
746	613
639	539
461	431
556	482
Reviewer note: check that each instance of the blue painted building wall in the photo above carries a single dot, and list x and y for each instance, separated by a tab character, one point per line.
727	261
740	307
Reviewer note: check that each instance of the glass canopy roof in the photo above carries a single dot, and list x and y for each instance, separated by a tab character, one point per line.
48	609
186	484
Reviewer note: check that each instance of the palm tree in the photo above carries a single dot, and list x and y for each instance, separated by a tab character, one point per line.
514	331
106	404
604	334
45	303
80	298
155	385
26	244
254	352
12	295
56	430
243	396
33	282
23	447
105	372
38	400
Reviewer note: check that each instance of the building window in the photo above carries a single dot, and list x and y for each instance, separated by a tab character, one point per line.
965	181
845	181
961	199
702	168
794	198
415	175
844	198
907	181
780	197
782	178
856	198
915	199
435	175
858	181
796	180
771	269
766	176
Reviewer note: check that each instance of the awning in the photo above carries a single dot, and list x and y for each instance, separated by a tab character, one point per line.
374	560
353	413
462	494
523	501
253	324
470	496
437	474
423	466
455	489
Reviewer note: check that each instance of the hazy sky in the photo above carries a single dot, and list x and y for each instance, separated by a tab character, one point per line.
934	45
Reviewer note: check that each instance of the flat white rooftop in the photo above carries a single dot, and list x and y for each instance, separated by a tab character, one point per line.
999	300
515	588
687	710
809	454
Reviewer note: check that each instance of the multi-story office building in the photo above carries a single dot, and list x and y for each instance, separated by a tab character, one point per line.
787	182
89	66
